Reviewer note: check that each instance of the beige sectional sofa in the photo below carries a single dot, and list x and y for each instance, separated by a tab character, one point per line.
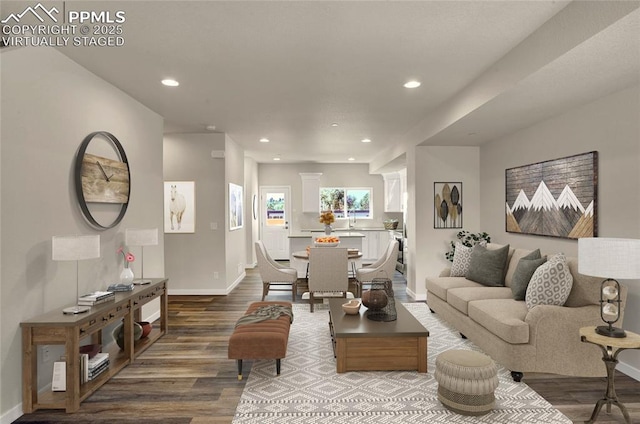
543	339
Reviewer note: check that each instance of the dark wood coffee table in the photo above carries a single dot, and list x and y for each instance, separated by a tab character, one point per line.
360	344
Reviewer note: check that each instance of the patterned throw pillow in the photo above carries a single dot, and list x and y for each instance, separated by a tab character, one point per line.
461	259
550	284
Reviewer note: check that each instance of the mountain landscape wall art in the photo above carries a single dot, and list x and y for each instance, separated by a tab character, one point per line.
556	198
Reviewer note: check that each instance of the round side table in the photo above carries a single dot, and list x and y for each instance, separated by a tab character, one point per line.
610	347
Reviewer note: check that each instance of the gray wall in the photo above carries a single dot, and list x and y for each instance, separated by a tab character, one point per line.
49	104
427	245
193	259
610	126
336	175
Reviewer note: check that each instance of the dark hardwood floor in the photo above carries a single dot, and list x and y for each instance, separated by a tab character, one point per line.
185	377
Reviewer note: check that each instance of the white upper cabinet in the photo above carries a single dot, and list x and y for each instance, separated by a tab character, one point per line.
311	191
394	187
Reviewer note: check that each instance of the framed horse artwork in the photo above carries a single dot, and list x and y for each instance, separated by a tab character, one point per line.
179	207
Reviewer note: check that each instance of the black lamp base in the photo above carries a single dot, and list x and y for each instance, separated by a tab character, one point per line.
609	331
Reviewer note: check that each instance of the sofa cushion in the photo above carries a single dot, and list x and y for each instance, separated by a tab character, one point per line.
460	298
551	283
513	262
439	285
502	317
487	266
461	258
524	271
585	289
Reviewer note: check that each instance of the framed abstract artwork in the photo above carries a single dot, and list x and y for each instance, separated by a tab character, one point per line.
179	207
235	207
555	198
447	204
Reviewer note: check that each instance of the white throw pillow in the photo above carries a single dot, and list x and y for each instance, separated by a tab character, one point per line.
461	259
550	284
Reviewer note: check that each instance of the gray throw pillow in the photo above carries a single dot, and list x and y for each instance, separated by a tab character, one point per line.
522	275
487	266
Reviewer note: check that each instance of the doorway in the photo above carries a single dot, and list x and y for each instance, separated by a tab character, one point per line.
275	215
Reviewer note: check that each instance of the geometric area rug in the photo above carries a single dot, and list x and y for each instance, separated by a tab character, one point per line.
309	390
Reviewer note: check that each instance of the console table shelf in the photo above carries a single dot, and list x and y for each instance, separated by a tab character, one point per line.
55	328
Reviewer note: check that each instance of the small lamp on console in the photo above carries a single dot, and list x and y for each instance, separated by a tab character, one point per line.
141	237
609	258
75	248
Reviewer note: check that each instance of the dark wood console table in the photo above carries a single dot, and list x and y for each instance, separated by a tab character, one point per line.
56	328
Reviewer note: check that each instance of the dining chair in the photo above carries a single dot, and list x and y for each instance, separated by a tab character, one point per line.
384	266
275	274
328	273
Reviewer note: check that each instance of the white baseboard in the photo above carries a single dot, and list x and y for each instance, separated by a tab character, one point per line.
208	292
12	414
414	296
629	370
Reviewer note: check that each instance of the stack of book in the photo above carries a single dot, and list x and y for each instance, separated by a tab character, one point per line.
90	368
96	298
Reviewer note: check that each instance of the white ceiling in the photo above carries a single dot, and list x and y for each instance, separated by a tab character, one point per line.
287	70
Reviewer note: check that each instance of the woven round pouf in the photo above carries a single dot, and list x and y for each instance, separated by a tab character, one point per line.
466	381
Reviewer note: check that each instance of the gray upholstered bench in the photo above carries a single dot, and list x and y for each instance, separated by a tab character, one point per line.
466	381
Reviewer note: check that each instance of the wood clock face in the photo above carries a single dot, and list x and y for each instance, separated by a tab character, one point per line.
101	179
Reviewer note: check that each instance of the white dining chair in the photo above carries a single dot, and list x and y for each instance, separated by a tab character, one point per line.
384	266
275	274
328	274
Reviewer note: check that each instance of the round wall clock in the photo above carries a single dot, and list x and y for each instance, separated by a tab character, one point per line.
100	179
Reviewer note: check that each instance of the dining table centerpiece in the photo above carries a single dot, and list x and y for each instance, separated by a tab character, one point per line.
327	218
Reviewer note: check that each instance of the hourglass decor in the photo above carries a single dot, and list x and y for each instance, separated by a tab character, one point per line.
611	259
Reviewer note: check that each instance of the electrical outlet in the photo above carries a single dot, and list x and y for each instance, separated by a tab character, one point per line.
216	275
46	354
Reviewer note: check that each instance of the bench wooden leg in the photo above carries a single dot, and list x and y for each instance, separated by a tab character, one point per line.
278	366
239	361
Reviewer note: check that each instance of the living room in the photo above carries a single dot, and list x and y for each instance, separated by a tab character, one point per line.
51	102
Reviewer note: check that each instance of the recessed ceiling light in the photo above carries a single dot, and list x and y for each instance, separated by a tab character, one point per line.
264	140
351	159
412	84
366	140
211	127
276	158
170	82
335	124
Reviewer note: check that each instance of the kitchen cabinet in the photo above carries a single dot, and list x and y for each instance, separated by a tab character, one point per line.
310	191
394	188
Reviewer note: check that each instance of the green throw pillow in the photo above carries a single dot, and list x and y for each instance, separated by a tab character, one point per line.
522	275
487	266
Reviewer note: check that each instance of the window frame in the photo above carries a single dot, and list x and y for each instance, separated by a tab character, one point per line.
346	213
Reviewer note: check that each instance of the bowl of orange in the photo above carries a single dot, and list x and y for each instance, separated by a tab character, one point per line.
327	241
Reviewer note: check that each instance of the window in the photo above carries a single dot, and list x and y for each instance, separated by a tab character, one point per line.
346	202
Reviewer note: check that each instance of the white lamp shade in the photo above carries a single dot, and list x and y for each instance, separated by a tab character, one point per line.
609	257
75	248
141	237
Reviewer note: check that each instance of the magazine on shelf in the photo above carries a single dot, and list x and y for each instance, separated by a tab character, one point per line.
96	298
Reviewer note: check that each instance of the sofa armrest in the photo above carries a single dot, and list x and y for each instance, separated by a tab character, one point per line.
555	331
445	272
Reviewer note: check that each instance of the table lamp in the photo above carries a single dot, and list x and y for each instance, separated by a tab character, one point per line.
75	248
609	258
141	237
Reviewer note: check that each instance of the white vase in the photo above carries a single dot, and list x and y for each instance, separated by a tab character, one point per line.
126	276
327	229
